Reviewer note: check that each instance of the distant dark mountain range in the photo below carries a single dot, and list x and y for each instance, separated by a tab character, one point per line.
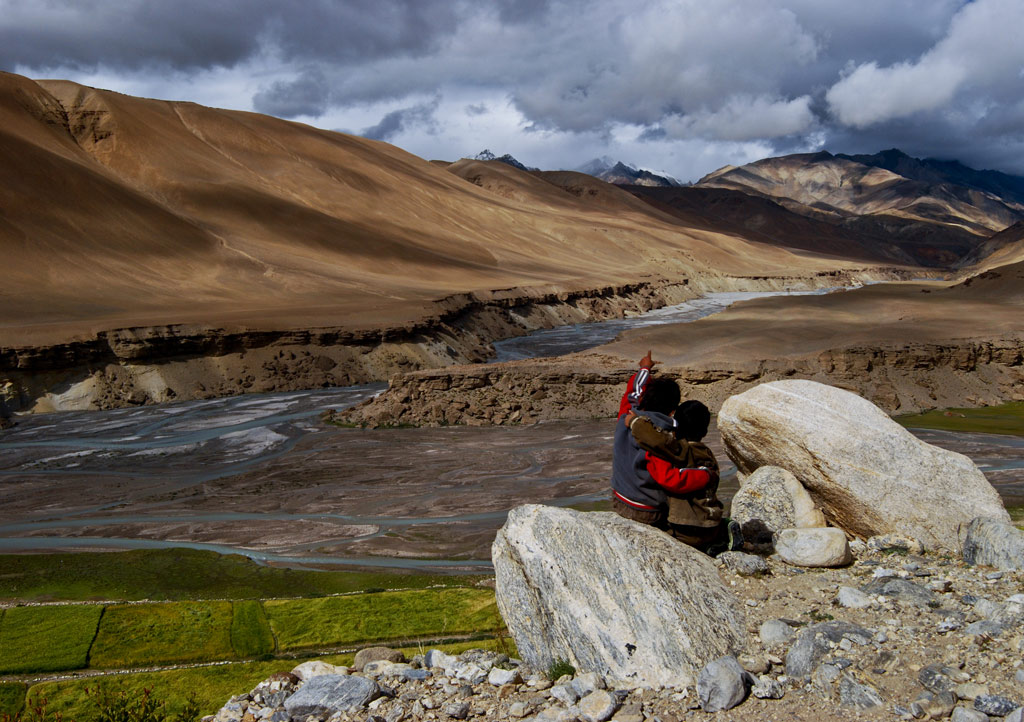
930	170
887	206
605	168
486	154
619	173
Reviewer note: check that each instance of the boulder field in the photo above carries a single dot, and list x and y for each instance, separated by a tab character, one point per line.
624	600
857	642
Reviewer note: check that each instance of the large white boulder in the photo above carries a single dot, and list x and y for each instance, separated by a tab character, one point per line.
867	473
818	547
772	499
995	543
611	596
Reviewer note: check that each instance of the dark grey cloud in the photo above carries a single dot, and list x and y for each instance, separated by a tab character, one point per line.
652	133
522	11
192	34
185	34
308	94
730	77
935	137
404	119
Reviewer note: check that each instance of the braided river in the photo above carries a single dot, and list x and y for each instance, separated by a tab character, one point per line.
260	475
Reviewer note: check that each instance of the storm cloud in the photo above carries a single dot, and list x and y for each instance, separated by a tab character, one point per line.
675	85
190	34
417	116
306	94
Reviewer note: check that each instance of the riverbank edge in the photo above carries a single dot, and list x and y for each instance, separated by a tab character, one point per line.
906	379
134	366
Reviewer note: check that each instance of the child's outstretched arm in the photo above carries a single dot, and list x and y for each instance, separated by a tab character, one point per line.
636	386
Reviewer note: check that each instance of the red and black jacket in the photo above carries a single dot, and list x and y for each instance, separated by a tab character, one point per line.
641	479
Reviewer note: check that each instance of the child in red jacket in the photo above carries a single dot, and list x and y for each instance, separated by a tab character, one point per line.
694	515
641	480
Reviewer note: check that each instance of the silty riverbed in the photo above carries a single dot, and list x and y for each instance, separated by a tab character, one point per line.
261	476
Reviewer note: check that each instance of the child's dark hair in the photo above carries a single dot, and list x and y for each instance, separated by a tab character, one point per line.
692	420
661	395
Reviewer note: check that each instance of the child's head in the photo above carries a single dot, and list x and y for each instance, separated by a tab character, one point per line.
661	395
692	420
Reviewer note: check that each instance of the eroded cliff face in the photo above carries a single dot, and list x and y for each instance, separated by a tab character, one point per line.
898	379
132	366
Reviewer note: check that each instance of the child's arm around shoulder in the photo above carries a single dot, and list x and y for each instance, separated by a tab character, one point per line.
650	438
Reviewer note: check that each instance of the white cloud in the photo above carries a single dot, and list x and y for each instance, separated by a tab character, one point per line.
663	59
981	49
744	118
871	94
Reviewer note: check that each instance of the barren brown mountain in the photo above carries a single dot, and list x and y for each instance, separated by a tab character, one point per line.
762	219
137	231
130	211
162	250
1002	248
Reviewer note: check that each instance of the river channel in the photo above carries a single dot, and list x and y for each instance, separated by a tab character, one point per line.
260	475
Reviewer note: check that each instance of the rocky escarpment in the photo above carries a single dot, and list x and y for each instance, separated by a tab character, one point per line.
129	366
905	378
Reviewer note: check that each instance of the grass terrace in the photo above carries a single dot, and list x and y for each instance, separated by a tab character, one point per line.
47	639
180	574
169	633
1002	419
340	621
212	685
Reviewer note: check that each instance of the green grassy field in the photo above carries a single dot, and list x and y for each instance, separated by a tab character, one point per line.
118	636
12	697
250	631
166	633
212	685
383	616
125	635
47	639
179	574
1002	419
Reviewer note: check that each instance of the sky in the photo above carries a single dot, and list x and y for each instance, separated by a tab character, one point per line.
678	86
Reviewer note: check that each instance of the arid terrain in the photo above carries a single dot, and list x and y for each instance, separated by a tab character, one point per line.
906	347
191	252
